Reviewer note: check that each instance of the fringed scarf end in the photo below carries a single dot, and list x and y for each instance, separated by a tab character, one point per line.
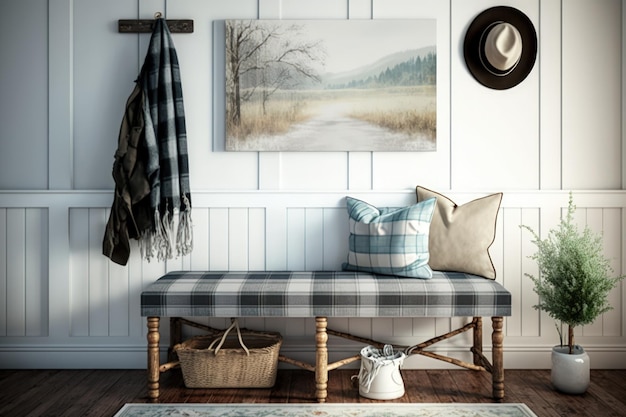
160	241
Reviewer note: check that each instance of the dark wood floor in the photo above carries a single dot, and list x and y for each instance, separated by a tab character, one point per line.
71	393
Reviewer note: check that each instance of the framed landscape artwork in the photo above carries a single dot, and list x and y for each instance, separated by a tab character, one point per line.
331	85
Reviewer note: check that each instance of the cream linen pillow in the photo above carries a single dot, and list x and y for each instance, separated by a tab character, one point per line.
460	236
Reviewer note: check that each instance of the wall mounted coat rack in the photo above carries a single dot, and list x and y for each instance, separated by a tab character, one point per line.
145	25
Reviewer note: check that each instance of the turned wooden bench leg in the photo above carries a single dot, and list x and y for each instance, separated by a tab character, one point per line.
321	359
497	358
153	358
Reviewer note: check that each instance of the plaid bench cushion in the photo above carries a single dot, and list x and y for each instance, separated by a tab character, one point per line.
327	294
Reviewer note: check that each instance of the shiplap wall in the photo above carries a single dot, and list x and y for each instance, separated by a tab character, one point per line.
67	75
98	301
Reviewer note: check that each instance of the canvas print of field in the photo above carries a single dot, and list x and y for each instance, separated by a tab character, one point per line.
331	85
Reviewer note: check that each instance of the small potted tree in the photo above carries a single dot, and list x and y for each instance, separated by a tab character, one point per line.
574	282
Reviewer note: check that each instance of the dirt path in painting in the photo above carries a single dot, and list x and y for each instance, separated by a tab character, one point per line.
331	129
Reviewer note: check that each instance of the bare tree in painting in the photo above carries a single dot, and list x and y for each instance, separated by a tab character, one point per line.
265	57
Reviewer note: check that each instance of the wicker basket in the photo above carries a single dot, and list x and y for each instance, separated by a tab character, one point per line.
231	364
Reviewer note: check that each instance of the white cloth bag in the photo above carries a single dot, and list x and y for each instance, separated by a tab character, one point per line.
379	376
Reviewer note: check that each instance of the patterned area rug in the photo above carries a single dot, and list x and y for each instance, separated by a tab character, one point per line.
325	410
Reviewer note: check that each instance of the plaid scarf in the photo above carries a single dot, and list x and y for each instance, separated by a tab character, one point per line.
167	166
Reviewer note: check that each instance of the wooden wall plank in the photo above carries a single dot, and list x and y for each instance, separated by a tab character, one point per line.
36	272
314	246
296	237
257	236
512	270
97	276
218	239
119	299
16	273
335	237
79	297
612	230
201	249
530	317
238	236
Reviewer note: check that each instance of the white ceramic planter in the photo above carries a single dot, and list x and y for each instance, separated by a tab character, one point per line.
570	373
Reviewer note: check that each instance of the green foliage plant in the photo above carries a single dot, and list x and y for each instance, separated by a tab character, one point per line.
575	278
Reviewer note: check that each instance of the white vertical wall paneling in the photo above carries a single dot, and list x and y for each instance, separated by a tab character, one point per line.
405	170
4	293
98	277
623	102
147	8
179	262
341	324
530	316
511	272
442	325
382	328
591	126
238	234
201	248
276	238
320	9
335	223
79	301
71	235
613	320
504	148
360	9
135	286
218	239
270	9
105	295
423	327
621	305
257	233
314	171
360	326
119	299
224	170
296	237
403	326
549	64
496	250
24	67
16	271
360	170
96	43
36	270
270	167
201	57
314	244
623	94
593	220
549	219
60	94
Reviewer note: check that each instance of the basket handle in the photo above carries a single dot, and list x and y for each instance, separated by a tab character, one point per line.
235	325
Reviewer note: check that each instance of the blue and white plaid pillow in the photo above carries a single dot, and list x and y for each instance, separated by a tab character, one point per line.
389	241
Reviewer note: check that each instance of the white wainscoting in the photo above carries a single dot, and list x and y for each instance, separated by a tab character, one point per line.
64	305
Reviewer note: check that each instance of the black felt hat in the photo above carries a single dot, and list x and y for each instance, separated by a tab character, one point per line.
500	47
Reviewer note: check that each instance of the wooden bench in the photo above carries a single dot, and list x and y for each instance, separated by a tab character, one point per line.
329	294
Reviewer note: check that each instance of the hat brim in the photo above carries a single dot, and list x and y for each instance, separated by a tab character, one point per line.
472	45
